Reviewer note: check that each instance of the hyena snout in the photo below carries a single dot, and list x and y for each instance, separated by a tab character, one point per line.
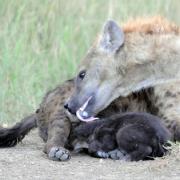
82	107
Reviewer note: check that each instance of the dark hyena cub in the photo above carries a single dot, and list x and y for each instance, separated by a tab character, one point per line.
129	136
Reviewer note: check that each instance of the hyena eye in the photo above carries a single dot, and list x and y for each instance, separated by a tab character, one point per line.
82	74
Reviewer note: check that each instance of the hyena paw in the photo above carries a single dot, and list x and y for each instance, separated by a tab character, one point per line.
102	154
116	155
59	154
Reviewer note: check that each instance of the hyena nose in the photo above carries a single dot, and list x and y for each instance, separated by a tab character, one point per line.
66	106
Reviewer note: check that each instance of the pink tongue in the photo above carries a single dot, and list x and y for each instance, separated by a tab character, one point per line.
81	110
83	119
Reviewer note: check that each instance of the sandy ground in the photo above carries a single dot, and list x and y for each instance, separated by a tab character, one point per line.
27	161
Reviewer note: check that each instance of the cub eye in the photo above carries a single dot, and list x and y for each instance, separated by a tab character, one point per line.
82	74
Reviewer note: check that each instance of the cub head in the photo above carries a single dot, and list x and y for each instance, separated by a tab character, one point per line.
103	139
96	81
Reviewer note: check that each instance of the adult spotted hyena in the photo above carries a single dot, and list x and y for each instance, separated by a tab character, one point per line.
143	54
133	68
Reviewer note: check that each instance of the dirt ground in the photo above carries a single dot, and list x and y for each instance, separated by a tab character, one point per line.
27	161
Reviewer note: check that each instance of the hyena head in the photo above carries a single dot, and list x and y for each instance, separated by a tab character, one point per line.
123	61
95	83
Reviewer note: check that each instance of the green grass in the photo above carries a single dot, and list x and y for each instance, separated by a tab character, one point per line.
42	41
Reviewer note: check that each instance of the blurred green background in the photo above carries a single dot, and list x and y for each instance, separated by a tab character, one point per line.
42	41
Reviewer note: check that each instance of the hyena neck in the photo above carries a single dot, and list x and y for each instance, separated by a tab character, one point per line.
149	60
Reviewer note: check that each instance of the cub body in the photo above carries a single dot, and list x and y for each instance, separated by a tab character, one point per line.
137	135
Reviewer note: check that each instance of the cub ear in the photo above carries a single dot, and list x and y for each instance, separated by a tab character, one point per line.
112	37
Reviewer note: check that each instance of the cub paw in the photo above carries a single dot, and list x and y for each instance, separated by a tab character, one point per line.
59	154
116	155
102	154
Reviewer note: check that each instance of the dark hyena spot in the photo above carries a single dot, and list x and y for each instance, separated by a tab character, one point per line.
177	133
169	106
38	110
160	104
169	94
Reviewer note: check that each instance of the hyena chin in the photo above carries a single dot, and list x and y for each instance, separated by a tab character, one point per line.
123	61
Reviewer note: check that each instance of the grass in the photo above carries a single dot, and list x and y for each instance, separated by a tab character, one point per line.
42	41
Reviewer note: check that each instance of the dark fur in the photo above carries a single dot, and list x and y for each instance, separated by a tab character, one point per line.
138	134
11	136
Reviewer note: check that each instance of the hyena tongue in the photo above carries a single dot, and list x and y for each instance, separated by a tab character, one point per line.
82	114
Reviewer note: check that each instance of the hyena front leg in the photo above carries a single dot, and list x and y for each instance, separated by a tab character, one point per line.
58	132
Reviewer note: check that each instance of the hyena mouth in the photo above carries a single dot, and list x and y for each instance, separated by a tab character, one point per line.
83	115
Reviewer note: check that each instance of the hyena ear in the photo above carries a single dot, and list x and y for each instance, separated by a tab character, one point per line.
112	37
